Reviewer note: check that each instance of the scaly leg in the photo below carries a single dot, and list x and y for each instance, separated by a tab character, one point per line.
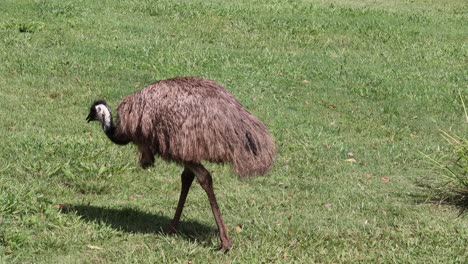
206	182
187	179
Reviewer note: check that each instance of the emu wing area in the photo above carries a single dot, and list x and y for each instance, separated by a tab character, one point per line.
190	119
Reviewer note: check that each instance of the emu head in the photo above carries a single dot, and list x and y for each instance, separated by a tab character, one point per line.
99	111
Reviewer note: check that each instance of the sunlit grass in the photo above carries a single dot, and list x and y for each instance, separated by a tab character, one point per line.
375	78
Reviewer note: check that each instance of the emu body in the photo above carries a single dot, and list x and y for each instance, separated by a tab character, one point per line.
189	120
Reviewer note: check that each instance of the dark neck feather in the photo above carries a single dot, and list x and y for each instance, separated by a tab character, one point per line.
112	132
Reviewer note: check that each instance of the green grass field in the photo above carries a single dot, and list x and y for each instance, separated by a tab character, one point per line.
328	77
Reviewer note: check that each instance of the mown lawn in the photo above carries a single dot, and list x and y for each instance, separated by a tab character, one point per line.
374	78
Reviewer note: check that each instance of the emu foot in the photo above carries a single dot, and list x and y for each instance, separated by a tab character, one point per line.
171	230
225	247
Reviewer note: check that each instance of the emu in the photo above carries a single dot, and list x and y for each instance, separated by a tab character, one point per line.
188	120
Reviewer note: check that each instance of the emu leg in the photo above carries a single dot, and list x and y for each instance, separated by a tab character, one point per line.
206	182
145	156
187	179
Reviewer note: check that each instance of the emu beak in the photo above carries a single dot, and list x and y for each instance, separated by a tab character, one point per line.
89	118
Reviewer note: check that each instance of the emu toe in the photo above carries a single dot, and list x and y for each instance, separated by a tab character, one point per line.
170	230
225	247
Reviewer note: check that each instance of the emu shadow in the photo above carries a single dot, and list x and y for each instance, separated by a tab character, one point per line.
134	221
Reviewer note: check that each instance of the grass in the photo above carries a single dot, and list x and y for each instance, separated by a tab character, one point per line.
375	78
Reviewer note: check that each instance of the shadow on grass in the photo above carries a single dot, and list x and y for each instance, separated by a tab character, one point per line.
454	198
134	221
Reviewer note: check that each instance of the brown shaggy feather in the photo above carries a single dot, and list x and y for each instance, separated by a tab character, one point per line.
189	119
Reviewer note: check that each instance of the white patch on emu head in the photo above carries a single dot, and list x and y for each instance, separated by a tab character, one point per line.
103	115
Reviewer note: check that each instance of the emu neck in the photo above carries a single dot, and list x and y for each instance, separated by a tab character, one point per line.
110	129
106	120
